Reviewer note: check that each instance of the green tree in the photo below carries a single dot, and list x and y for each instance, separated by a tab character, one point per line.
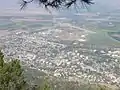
11	75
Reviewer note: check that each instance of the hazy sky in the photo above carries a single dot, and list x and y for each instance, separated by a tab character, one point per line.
14	3
10	4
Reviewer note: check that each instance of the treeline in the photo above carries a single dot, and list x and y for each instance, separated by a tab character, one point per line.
12	78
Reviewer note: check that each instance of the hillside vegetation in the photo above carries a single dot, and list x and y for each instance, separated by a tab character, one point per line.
12	78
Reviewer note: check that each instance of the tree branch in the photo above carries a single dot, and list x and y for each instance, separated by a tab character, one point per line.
56	3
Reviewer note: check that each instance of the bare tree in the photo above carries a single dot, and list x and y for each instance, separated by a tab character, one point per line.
56	3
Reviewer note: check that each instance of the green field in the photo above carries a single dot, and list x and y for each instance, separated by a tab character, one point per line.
101	38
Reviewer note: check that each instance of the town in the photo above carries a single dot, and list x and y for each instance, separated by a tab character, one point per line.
63	53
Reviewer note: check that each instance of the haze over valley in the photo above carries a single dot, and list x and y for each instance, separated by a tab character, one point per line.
80	47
